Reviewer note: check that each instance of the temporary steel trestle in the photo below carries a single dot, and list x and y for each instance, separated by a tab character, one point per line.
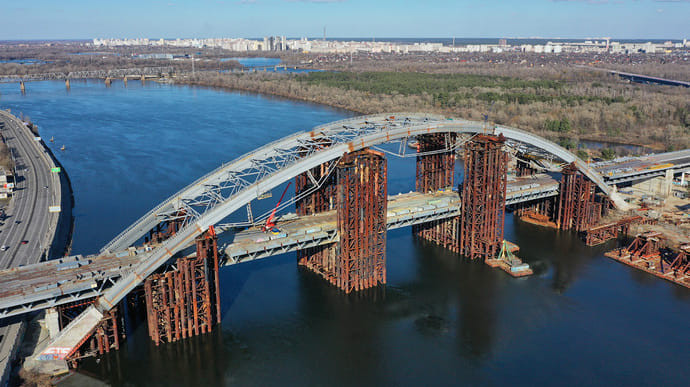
483	197
600	234
185	302
436	171
577	208
359	192
107	335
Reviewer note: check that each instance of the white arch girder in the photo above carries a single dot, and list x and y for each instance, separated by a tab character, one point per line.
231	186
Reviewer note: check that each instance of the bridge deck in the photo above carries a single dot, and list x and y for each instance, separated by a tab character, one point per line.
75	278
636	168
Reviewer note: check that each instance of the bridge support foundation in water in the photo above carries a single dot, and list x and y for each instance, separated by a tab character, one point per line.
106	336
483	197
358	190
362	209
185	302
577	209
435	171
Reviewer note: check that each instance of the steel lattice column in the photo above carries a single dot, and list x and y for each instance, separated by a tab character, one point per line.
362	204
319	259
436	171
185	302
576	206
106	336
483	197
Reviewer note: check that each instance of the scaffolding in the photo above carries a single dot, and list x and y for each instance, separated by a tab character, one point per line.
483	197
358	190
577	208
166	229
313	199
600	234
435	171
362	208
106	336
185	302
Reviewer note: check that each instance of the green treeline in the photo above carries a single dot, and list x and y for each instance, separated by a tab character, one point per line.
444	88
418	83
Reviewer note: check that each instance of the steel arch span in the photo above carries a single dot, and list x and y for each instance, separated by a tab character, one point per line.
230	187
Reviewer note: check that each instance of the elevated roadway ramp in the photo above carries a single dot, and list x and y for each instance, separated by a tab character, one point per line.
631	169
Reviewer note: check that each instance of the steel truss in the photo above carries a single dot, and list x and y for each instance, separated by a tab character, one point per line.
115	73
230	187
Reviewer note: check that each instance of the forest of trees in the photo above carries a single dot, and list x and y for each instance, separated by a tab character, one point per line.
573	106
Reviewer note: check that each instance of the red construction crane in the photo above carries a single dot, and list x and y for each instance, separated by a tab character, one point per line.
269	222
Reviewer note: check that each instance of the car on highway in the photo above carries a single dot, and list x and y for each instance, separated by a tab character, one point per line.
4	247
25	242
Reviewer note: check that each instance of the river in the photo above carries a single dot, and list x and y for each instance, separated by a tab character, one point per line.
581	319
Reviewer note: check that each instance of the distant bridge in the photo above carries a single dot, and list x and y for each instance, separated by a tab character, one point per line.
639	78
89	74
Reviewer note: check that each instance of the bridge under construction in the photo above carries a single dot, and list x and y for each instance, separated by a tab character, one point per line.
168	261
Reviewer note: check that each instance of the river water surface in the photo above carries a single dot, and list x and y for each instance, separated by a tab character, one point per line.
581	319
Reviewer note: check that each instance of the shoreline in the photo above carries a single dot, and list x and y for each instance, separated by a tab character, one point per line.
275	94
656	147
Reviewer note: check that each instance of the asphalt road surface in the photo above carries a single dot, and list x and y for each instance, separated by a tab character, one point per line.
26	215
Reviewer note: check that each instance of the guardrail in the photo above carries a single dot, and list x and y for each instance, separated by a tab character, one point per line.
56	185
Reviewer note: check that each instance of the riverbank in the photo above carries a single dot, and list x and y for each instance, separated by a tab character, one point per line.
598	109
51	178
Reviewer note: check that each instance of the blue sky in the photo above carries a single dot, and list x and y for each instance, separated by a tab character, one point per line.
75	19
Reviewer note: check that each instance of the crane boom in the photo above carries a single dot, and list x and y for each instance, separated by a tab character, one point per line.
269	222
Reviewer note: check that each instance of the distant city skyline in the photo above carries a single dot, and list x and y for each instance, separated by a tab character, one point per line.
576	19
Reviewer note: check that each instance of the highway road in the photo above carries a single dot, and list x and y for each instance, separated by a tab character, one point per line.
27	217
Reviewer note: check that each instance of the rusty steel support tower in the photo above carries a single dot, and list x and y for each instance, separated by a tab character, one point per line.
435	171
358	190
185	302
576	206
320	259
312	200
107	335
362	208
483	197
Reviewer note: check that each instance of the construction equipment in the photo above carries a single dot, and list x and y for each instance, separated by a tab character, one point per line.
270	224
